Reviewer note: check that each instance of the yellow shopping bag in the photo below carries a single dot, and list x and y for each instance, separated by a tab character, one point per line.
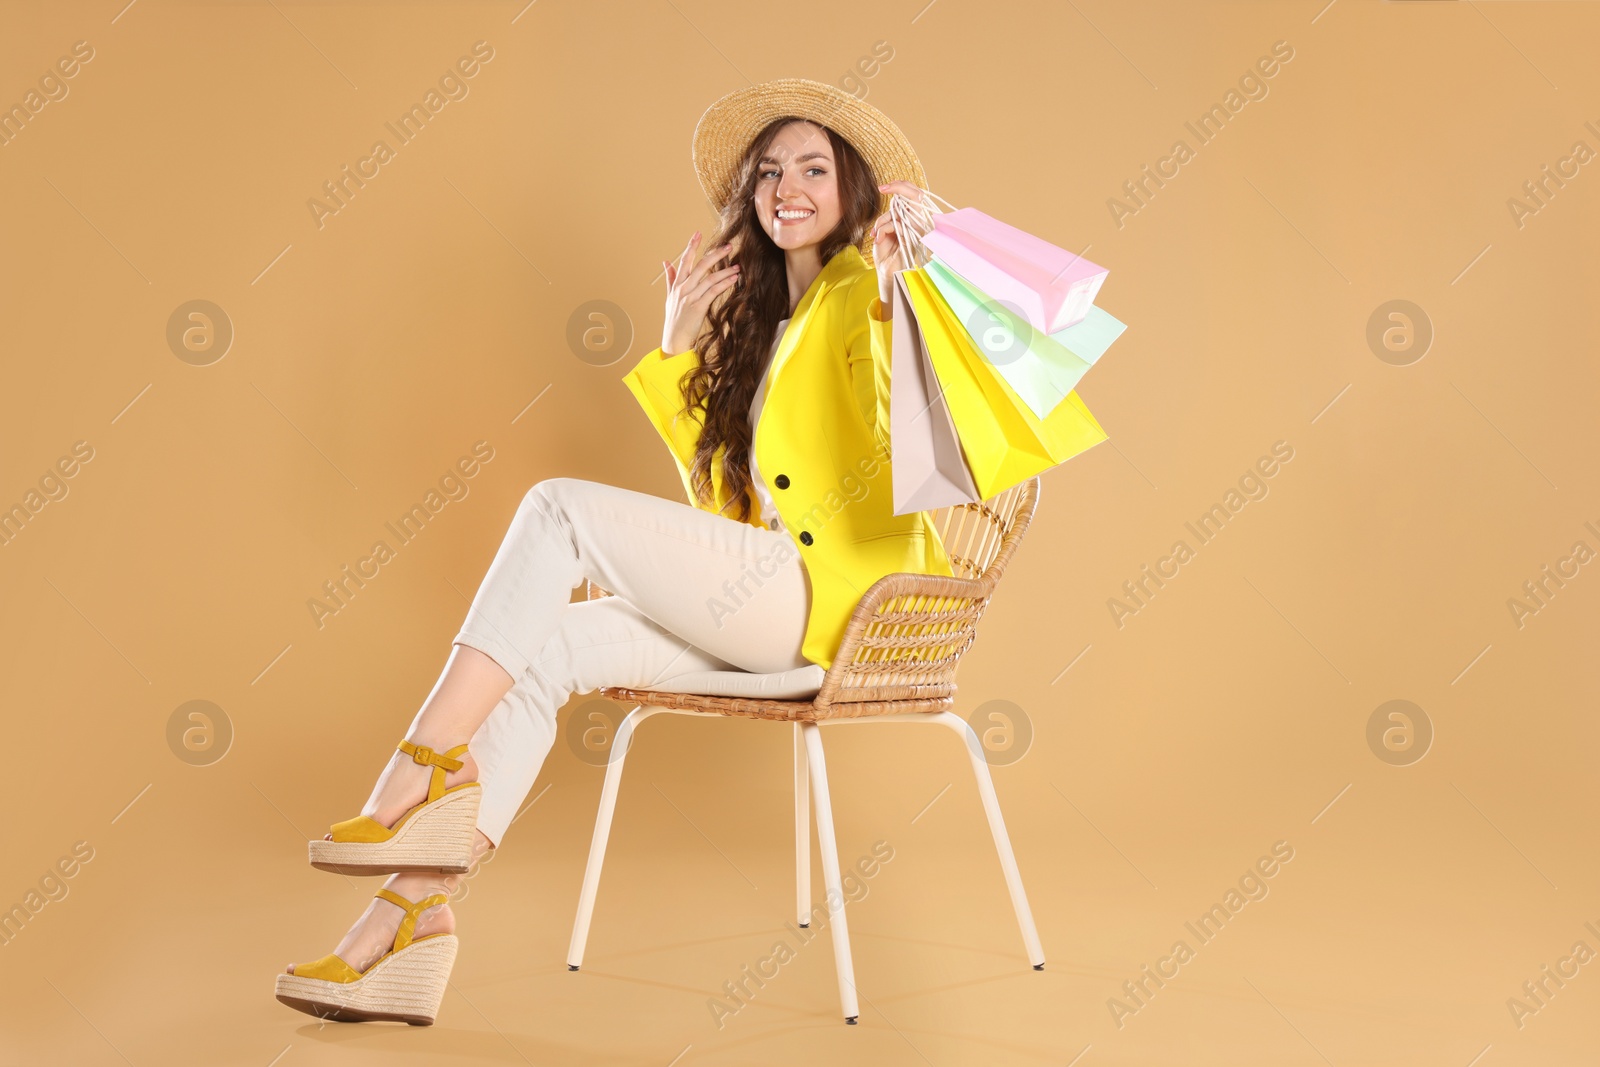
1005	443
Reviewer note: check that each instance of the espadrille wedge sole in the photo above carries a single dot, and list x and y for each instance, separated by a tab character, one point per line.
436	835
405	985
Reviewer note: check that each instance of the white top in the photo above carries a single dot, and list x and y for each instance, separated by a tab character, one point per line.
769	510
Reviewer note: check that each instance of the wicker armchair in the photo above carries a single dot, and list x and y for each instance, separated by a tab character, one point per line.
896	662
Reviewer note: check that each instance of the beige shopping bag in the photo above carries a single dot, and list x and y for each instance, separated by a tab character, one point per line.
928	469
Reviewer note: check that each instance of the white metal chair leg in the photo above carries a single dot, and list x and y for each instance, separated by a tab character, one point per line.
1002	840
602	831
830	873
802	831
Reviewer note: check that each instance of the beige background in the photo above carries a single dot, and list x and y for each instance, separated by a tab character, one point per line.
1230	713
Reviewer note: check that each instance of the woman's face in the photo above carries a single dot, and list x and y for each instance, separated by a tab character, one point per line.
797	187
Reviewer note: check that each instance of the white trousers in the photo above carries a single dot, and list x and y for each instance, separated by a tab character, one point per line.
692	591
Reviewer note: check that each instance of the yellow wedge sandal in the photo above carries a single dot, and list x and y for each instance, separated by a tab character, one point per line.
436	835
406	984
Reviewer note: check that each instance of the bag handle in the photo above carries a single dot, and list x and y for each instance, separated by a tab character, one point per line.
913	219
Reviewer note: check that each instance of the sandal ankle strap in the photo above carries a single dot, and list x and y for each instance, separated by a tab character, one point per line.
408	925
440	762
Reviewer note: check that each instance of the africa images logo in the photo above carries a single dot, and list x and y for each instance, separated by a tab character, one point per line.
452	86
1205	129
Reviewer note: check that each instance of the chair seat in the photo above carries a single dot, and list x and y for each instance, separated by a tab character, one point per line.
789	696
802	683
786	695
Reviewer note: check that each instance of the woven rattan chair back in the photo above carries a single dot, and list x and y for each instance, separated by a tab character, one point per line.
907	636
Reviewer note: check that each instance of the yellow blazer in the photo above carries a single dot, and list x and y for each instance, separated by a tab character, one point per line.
822	444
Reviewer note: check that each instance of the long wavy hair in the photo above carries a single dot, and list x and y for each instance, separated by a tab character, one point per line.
737	335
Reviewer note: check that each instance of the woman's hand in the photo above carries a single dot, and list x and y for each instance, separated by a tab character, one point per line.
691	286
888	254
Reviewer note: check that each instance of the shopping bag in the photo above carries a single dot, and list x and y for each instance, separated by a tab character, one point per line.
1003	441
1042	368
1054	287
927	469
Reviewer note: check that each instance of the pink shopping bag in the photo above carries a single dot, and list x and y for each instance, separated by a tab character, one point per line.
1054	288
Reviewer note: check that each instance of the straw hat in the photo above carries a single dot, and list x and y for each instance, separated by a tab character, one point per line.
728	126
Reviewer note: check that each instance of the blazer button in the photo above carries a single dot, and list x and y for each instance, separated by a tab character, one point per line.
781	481
805	537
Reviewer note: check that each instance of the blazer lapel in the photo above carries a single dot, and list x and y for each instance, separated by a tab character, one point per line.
846	262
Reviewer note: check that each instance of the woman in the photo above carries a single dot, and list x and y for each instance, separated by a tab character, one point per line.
771	390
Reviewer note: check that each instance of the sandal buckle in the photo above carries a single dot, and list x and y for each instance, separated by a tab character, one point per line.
423	755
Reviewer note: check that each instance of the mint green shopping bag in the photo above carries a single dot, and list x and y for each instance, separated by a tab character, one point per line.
1042	368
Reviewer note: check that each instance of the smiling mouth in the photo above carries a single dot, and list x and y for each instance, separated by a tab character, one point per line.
792	214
